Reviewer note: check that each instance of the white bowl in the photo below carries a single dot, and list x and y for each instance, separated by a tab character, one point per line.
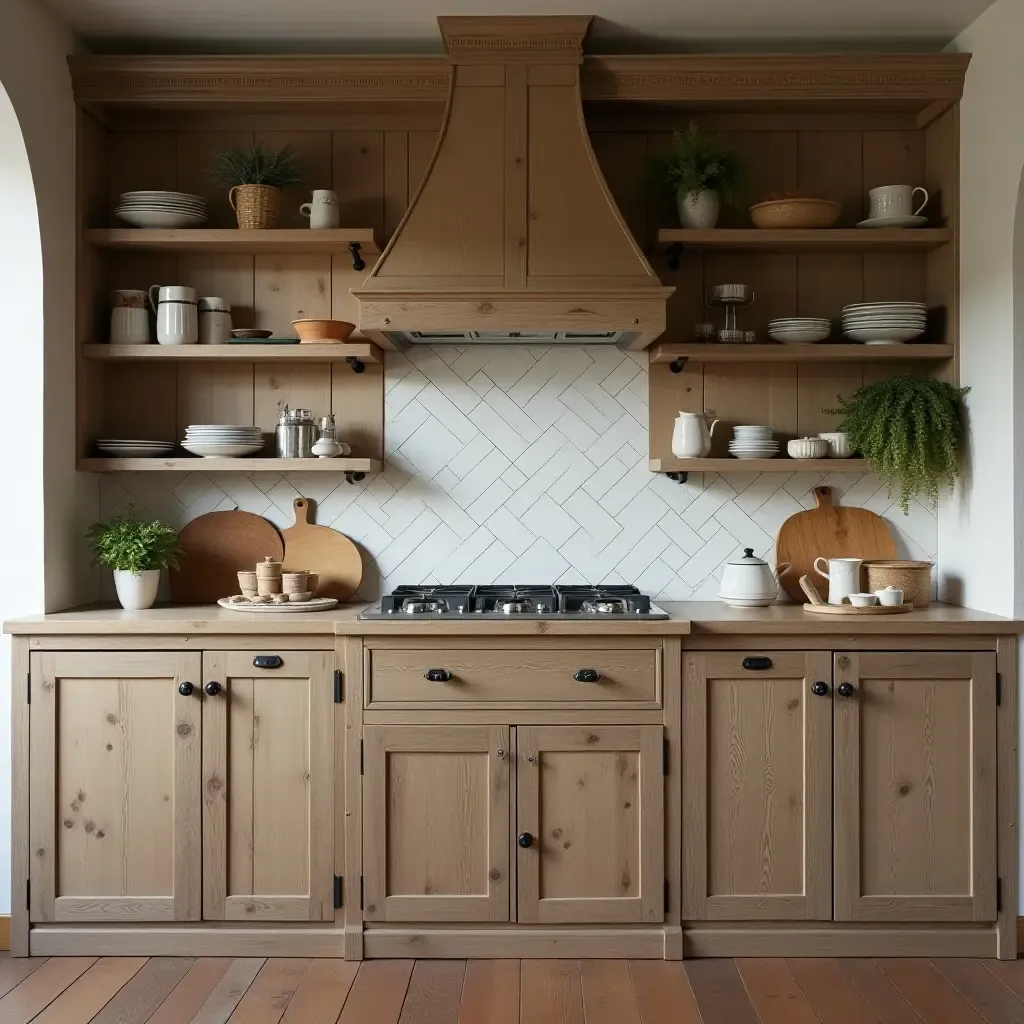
807	448
796	337
221	451
863	600
890	597
160	220
884	335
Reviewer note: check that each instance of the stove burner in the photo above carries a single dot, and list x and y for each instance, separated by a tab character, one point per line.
609	606
423	607
514	607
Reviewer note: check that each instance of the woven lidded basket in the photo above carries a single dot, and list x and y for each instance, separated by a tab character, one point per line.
913	578
256	206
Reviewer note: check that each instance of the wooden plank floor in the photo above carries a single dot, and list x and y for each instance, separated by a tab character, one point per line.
254	990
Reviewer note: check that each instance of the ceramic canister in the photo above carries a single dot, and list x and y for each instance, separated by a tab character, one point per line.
214	321
323	210
129	318
177	319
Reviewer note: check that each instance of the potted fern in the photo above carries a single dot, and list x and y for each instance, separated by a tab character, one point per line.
136	550
701	172
256	176
910	429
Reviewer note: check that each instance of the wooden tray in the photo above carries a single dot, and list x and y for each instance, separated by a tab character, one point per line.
316	604
849	609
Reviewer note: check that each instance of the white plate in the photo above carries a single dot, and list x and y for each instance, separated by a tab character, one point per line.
799	337
796	322
885	336
908	221
887	307
157	193
161	220
128	452
741	457
222	451
221	426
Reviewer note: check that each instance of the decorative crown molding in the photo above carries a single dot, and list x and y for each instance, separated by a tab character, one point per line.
515	39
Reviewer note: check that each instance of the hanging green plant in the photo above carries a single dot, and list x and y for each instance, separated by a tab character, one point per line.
910	429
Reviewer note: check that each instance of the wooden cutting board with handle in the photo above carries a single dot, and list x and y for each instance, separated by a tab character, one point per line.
322	550
216	546
828	531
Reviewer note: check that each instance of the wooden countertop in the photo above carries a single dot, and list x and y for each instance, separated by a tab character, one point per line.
697	617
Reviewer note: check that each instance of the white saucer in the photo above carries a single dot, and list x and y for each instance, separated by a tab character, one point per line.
893	222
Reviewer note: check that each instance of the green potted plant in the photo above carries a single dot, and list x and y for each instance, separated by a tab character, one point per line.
911	431
256	175
702	173
136	549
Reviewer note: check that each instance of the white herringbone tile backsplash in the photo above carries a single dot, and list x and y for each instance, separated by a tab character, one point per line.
525	464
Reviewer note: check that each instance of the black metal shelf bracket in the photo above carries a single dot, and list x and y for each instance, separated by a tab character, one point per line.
358	366
678	365
357	259
680	478
672	255
353	476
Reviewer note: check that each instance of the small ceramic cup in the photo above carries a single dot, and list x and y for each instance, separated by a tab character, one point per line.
247	582
863	600
891	597
838	444
268	585
296	582
312	581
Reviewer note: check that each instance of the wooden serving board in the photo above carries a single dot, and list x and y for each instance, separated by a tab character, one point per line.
828	531
216	546
322	550
849	609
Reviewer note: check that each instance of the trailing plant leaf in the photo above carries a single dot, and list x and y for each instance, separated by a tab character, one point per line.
256	165
132	544
698	161
910	429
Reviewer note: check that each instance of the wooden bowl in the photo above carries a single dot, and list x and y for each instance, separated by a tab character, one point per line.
323	332
795	213
247	333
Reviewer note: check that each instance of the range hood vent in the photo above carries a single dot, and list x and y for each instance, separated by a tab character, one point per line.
513	235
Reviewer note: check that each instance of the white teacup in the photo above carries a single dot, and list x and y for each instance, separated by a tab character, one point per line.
896	201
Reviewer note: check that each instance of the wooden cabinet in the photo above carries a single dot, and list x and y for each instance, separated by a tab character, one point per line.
757	800
590	824
114	809
268	786
915	787
436	809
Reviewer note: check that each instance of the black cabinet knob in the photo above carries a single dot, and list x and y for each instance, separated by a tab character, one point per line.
185	689
845	689
525	840
212	688
437	675
819	689
587	675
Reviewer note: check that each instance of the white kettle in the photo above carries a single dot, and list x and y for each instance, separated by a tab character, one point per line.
691	436
750	582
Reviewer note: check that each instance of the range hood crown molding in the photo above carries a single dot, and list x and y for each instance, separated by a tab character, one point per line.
513	229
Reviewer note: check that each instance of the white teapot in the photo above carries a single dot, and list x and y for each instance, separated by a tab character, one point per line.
750	582
691	436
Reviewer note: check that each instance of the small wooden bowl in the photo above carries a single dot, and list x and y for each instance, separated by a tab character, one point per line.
795	213
243	333
323	332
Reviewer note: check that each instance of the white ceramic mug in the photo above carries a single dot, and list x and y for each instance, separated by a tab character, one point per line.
896	201
214	321
843	575
129	318
323	210
177	320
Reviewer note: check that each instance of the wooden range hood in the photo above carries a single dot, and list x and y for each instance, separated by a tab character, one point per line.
513	234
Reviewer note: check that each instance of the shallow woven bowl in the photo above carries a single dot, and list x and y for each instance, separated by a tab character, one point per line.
323	332
795	213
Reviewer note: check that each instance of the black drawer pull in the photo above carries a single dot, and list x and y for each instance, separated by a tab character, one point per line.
587	675
267	661
437	675
757	664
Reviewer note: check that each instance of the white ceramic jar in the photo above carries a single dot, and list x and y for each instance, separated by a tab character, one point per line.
323	210
214	321
177	319
129	318
750	582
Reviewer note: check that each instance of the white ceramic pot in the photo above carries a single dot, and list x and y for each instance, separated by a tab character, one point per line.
177	319
691	436
750	582
136	591
698	209
323	210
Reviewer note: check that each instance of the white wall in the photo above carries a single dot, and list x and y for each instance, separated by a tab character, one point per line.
42	567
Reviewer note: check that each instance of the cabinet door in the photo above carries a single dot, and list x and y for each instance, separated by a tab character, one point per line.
591	816
436	811
114	790
757	801
268	787
915	783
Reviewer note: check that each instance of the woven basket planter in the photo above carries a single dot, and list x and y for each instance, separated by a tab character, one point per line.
256	206
913	578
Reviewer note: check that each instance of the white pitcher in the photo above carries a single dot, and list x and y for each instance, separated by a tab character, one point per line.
323	211
843	575
691	436
177	319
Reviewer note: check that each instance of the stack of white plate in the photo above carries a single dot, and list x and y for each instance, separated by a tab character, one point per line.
884	323
124	448
162	209
222	441
753	443
799	330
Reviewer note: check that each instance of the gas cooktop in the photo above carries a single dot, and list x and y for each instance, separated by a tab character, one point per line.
498	602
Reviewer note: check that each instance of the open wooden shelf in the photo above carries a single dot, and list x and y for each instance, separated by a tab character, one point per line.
850	240
823	352
243	465
782	464
364	352
274	240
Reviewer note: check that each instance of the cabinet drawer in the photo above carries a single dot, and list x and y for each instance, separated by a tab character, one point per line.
630	678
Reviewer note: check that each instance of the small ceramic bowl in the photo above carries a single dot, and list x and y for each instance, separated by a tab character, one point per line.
807	448
280	598
323	332
305	596
863	600
891	597
260	599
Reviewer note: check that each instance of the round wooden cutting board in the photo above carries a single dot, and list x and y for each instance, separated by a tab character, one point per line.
216	546
322	550
828	531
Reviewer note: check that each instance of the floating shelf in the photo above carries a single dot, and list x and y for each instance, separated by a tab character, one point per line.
823	352
363	352
273	240
783	464
244	465
808	239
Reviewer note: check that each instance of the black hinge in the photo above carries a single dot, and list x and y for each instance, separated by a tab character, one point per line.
28	687
28	894
337	686
360	892
664	757
339	892
999	895
361	752
999	689
666	895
